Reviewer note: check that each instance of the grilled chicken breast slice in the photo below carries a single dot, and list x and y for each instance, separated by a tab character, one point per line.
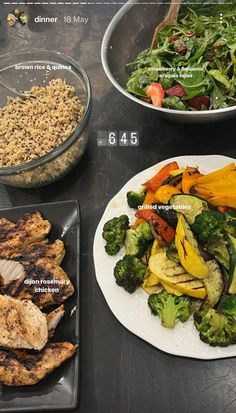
45	284
25	368
54	252
22	324
54	318
29	229
5	227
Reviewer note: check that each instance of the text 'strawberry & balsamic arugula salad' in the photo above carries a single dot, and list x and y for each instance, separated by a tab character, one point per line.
181	248
192	67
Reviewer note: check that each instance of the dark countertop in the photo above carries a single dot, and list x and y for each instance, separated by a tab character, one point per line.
120	373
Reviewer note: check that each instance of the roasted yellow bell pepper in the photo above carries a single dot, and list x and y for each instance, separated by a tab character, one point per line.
219	174
177	172
224	200
165	192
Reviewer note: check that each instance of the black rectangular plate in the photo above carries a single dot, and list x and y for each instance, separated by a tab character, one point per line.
60	390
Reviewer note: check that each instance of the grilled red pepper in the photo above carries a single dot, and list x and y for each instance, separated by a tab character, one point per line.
160	225
155	182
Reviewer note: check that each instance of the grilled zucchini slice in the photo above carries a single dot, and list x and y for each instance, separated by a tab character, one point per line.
214	284
189	205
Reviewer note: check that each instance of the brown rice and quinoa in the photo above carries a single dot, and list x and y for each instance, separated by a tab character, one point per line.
33	127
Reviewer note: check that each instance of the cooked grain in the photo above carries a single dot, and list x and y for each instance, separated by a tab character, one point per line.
33	127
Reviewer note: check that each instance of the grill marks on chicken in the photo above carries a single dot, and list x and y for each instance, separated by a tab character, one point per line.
39	277
54	252
5	227
29	229
25	368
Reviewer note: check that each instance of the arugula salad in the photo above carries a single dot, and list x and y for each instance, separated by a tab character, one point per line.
193	66
181	248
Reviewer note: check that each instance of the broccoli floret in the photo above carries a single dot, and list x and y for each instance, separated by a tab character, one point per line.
136	199
230	223
144	230
208	223
137	241
217	247
172	252
135	245
169	308
227	305
215	328
129	273
114	233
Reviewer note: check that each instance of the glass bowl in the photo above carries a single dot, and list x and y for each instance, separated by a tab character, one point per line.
25	69
126	36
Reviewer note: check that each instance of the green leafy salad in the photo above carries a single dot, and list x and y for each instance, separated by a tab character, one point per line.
193	66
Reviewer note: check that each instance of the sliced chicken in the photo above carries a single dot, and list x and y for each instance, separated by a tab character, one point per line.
45	283
54	252
25	368
29	229
54	318
22	324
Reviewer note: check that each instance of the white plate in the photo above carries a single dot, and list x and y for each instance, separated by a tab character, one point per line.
132	309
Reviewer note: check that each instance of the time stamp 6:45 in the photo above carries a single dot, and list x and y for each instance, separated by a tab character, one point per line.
118	138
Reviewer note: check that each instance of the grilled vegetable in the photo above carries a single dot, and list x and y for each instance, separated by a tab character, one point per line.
175	276
159	225
129	273
217	186
214	284
232	267
227	305
190	206
208	223
156	181
171	290
169	308
151	280
114	233
167	214
217	247
172	252
215	328
137	241
165	192
230	222
136	199
188	251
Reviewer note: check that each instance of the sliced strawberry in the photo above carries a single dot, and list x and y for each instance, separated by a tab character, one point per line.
156	93
173	39
177	90
181	48
189	33
199	101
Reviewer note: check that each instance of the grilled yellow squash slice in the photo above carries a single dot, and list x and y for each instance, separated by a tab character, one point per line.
188	251
171	290
175	276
